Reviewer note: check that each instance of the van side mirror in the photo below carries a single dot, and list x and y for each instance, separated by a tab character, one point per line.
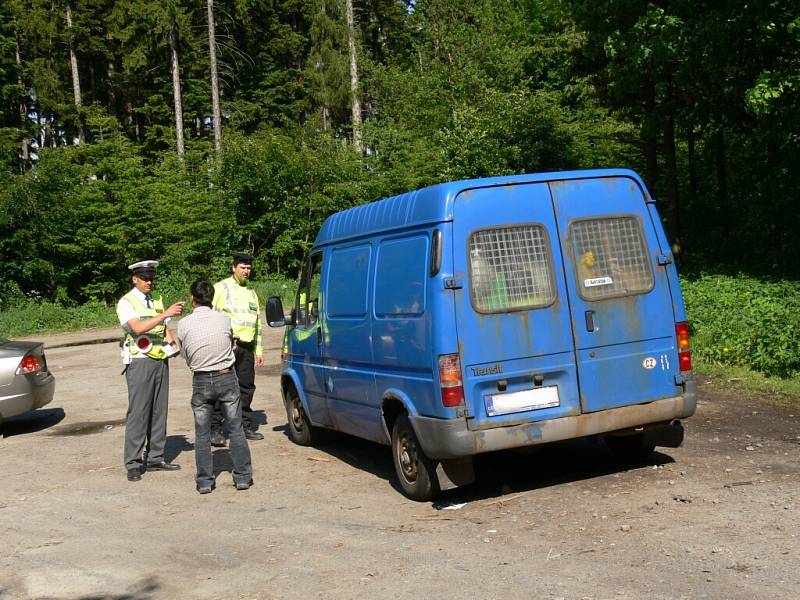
275	316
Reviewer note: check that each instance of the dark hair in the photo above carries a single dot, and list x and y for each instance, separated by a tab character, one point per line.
202	292
240	258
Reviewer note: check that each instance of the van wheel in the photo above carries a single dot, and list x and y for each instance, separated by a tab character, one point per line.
301	431
630	448
416	472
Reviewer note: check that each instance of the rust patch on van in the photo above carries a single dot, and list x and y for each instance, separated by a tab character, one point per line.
526	328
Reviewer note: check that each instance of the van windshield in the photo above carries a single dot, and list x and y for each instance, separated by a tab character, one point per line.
510	269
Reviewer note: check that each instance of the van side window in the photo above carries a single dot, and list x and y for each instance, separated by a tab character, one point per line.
510	269
347	282
611	258
308	296
400	277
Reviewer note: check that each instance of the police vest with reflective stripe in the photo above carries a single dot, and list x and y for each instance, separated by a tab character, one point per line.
241	304
156	334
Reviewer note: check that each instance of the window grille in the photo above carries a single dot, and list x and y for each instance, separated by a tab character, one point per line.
510	269
610	258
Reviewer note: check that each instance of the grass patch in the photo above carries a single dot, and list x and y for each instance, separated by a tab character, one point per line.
32	318
741	321
29	318
777	391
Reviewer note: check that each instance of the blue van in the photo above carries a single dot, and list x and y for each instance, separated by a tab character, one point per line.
480	315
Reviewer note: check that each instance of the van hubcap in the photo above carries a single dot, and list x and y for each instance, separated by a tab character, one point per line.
407	454
297	416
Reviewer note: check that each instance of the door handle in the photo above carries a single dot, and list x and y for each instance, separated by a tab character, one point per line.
589	320
319	336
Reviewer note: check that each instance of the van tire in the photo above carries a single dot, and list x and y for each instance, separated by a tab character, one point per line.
415	471
301	431
629	448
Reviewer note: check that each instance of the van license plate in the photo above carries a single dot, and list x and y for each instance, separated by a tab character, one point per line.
514	402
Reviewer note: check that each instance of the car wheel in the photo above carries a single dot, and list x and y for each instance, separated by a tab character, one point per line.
416	472
630	448
301	431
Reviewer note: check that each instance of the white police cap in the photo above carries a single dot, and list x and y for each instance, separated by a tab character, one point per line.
144	267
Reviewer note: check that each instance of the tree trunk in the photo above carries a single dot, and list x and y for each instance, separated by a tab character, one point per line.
23	107
176	87
326	117
76	82
212	48
722	182
671	167
691	159
355	102
650	135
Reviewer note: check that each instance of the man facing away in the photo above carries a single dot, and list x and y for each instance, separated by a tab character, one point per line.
233	297
144	352
206	342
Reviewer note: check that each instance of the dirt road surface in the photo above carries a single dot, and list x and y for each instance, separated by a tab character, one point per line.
717	518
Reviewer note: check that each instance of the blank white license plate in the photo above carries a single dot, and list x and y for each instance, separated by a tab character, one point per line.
513	402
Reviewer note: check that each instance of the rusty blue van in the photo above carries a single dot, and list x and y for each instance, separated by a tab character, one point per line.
480	315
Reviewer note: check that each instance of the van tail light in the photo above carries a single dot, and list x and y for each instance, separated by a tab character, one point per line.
29	365
450	378
684	348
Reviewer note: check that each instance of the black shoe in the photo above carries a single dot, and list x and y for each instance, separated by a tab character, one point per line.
206	489
218	440
163	466
134	474
244	485
253	435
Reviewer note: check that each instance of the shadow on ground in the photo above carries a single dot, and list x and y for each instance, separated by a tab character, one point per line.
175	445
141	590
31	422
498	473
86	427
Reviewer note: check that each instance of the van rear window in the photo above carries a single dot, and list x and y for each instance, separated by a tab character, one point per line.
611	258
510	269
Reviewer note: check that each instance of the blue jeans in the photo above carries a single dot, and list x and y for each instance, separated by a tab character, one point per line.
208	389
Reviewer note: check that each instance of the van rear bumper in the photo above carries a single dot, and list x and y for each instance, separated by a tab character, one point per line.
445	438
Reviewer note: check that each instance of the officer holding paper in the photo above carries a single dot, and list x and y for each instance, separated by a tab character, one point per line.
145	349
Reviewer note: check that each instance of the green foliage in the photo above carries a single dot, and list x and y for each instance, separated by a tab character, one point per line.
31	317
702	98
284	289
744	321
282	189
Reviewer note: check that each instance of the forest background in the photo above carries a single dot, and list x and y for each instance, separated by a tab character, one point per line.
183	130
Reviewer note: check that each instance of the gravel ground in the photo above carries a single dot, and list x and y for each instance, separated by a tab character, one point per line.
717	518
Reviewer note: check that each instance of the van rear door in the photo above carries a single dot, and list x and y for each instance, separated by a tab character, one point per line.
622	313
512	315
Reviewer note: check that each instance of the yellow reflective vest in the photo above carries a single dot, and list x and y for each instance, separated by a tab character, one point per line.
156	334
241	304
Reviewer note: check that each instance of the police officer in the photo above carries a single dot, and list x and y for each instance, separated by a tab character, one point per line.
145	350
234	297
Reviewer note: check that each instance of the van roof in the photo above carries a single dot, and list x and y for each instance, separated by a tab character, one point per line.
433	204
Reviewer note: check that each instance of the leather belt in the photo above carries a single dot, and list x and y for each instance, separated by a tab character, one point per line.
220	372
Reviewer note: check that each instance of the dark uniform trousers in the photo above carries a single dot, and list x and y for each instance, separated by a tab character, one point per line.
245	367
146	421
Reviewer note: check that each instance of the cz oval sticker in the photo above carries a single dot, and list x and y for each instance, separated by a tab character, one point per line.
649	363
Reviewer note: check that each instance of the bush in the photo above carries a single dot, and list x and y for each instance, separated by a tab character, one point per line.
276	286
744	321
31	317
